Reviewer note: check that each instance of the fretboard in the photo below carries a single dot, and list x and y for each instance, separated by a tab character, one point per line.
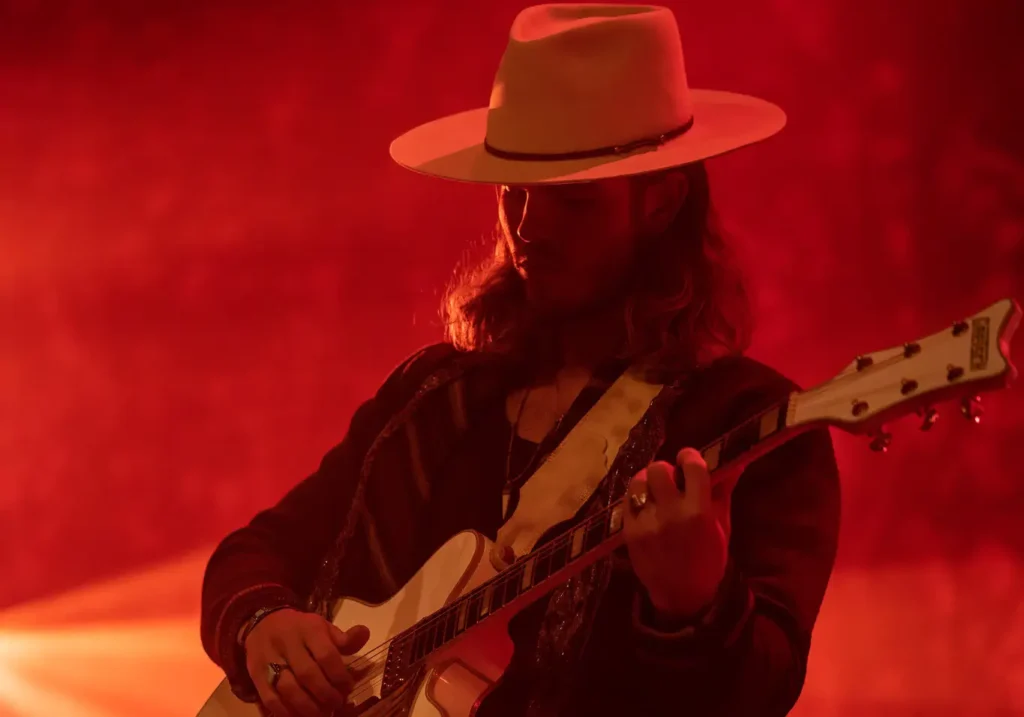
568	553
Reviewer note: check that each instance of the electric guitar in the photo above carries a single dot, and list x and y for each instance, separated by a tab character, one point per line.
441	644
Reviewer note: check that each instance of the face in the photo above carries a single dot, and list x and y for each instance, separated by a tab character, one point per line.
573	244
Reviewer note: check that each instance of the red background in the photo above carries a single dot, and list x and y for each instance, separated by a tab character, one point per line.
207	259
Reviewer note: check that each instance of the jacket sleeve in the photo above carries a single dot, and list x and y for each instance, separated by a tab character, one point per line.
273	560
748	653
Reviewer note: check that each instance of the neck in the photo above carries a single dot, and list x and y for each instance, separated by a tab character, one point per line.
589	338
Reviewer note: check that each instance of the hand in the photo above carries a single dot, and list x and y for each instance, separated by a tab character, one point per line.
679	541
316	680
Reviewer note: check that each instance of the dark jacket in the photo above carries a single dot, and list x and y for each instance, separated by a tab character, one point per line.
421	455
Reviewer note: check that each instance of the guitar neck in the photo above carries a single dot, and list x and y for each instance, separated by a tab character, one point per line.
534	575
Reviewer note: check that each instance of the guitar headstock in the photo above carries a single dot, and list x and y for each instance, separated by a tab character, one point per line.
960	362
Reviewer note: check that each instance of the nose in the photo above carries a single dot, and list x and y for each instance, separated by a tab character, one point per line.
521	232
537	218
533	216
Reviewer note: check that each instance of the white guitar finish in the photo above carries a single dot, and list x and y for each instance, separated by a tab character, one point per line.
935	366
457	677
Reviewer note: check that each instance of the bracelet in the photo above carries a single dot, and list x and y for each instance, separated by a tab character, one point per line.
255	620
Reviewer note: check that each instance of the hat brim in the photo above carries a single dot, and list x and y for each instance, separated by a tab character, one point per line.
453	147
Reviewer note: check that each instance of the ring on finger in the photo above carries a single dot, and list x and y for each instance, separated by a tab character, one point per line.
274	670
637	501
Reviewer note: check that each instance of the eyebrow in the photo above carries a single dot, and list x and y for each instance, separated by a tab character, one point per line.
577	191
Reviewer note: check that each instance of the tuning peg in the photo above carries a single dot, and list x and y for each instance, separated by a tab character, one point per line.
928	418
880	441
971	408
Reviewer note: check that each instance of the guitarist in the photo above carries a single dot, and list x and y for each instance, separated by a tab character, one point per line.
608	256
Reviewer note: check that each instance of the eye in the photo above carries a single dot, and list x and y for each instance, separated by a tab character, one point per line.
574	196
578	201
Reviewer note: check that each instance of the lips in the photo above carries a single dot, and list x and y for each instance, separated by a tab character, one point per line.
533	266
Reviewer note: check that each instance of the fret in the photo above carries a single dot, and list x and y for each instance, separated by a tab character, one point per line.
426	640
448	626
485	603
417	645
527	581
576	545
615	517
436	635
463	610
510	590
558	555
740	440
543	567
784	410
769	424
498	596
429	635
595	533
473	609
713	455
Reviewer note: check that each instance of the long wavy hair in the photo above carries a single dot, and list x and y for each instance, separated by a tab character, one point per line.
683	303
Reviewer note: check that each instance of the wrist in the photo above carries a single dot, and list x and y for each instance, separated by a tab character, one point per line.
678	609
255	619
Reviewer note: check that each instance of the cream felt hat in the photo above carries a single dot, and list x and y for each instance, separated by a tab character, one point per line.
586	92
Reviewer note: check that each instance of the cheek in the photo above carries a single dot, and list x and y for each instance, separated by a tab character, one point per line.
599	268
610	253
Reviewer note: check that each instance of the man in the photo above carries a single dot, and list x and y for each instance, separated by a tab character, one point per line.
608	258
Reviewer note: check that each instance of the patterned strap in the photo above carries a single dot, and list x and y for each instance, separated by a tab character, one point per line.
573	471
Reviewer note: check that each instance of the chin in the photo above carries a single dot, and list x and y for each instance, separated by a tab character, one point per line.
548	302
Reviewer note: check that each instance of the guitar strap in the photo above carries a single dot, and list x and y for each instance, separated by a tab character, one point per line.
573	471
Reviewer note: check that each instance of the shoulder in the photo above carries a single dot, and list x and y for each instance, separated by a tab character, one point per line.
737	380
426	361
723	394
398	388
414	369
741	379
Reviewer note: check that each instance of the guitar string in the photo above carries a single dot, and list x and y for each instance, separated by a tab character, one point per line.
371	679
501	580
370	686
389	709
506	576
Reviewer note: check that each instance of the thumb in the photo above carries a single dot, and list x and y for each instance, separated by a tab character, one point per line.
350	640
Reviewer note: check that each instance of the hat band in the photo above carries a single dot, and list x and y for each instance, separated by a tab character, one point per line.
589	153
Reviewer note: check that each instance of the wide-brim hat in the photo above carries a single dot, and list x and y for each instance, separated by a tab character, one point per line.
587	92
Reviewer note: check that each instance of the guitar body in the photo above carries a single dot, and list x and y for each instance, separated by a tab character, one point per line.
458	677
441	643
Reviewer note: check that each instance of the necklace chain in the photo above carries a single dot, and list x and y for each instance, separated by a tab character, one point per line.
509	480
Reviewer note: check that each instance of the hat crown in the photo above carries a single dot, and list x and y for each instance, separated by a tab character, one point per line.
576	78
